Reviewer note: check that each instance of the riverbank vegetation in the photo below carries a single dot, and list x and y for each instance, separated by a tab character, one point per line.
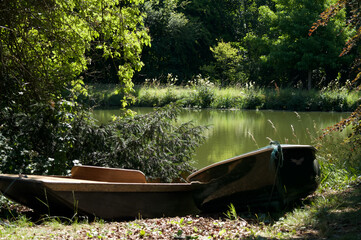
203	94
49	50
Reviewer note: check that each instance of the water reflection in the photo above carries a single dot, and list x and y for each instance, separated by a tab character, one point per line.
236	132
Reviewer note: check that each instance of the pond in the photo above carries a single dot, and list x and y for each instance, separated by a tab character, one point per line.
234	132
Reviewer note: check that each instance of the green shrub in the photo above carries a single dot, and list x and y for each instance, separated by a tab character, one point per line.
253	100
286	99
147	99
227	68
51	138
224	102
334	102
37	140
203	94
152	143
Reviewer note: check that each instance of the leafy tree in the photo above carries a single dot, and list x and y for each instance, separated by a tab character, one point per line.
43	44
174	41
182	33
353	11
219	18
44	52
227	68
218	21
293	54
245	17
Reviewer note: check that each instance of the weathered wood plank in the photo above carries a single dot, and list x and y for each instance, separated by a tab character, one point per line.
107	174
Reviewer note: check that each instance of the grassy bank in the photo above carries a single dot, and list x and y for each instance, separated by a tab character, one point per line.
333	212
204	95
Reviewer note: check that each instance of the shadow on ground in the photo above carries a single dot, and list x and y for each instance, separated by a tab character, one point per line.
339	217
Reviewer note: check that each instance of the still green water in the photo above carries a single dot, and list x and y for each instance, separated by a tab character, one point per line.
234	132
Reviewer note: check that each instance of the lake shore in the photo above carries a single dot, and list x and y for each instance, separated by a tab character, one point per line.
208	96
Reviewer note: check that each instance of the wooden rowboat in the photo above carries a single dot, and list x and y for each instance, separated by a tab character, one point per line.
272	176
101	192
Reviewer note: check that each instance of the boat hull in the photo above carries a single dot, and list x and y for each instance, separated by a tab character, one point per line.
110	201
271	178
116	205
35	195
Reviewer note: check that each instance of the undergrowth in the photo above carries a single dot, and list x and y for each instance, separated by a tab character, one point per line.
49	140
201	93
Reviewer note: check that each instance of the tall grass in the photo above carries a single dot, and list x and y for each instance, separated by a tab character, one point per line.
202	94
340	162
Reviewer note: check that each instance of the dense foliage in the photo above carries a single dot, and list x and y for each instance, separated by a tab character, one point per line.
237	42
351	46
46	48
51	139
231	42
291	54
175	41
43	45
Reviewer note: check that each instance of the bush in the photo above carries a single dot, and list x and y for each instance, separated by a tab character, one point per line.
203	94
51	138
253	100
225	102
37	141
227	68
340	161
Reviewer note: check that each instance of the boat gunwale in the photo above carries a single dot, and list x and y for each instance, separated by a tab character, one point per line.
63	183
233	159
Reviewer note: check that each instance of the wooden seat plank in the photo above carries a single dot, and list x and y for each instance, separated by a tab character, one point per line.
107	174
